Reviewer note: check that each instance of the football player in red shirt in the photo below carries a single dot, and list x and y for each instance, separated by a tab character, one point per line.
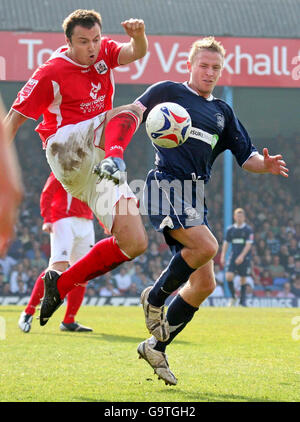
85	138
70	225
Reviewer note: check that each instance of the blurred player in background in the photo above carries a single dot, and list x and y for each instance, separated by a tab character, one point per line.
215	129
70	225
11	189
85	138
240	235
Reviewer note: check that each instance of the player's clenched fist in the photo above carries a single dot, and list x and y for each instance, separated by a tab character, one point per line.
134	27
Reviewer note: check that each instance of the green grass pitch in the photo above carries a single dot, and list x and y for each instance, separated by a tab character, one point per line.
224	354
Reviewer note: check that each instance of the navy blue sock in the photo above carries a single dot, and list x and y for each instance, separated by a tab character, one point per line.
178	315
176	273
231	288
243	294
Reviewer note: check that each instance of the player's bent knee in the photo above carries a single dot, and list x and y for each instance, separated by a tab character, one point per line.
134	245
140	245
210	250
208	288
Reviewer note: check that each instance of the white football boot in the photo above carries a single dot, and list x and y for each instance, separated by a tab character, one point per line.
232	302
25	321
155	319
157	360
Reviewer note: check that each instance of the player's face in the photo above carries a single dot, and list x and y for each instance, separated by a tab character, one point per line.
84	45
239	218
205	71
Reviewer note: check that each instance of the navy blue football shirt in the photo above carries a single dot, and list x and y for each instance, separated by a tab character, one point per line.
215	129
238	236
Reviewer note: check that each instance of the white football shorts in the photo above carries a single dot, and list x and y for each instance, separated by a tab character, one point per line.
71	239
72	154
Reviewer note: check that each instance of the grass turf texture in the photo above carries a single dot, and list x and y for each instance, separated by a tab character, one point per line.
224	354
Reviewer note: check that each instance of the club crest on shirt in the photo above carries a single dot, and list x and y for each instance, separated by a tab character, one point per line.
101	67
192	213
220	120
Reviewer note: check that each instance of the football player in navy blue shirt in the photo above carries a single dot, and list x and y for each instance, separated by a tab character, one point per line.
240	236
215	129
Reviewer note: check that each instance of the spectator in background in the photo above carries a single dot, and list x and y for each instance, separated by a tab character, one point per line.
266	280
275	226
284	255
16	276
290	268
22	285
123	280
265	229
39	260
296	270
7	263
108	289
295	288
4	285
286	292
293	247
15	250
277	272
132	291
261	247
257	269
272	243
291	227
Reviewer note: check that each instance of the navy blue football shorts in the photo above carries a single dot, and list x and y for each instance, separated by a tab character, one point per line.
243	270
172	204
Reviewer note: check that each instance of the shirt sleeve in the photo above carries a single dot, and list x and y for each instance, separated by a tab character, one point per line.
228	235
51	187
35	96
250	237
237	139
112	50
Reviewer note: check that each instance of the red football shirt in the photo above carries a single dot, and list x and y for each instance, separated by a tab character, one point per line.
65	92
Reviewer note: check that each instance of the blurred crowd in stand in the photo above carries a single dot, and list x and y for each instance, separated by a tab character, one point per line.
271	204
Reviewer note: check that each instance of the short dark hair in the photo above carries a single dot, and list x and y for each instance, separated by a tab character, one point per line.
82	17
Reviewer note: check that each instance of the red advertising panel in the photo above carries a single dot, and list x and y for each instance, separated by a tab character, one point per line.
249	61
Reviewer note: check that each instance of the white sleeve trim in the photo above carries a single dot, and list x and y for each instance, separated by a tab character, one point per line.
251	155
27	117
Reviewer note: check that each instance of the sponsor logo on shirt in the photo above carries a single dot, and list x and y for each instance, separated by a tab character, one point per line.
95	105
94	90
206	137
101	67
27	89
238	241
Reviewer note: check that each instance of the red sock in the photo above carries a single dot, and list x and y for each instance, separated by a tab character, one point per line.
103	257
118	133
75	298
36	295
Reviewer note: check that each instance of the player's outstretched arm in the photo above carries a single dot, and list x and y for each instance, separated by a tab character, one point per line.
11	190
12	123
138	45
273	164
